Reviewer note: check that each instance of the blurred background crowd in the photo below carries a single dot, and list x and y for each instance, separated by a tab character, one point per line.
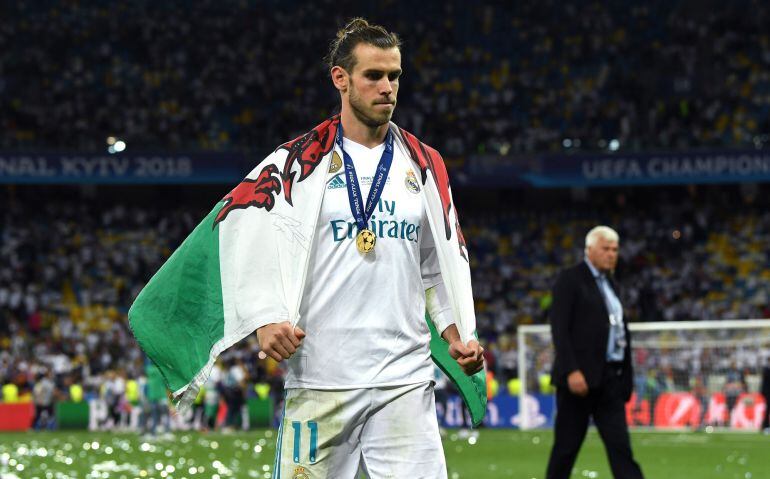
524	77
70	268
505	81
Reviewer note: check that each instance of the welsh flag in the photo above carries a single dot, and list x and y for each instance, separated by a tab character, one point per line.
178	318
244	266
179	321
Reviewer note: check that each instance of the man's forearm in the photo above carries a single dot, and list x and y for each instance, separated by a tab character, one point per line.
451	334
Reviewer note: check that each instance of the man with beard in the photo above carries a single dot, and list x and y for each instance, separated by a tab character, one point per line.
359	386
332	249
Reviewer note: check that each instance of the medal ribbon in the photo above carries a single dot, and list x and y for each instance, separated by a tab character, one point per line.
361	213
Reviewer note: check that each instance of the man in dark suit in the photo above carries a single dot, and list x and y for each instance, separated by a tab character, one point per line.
592	370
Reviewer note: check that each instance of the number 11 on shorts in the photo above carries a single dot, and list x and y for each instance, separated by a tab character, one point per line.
313	426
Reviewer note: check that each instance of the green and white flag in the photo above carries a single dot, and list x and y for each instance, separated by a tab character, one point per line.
178	318
244	265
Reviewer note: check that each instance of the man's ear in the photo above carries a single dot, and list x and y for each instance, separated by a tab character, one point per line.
340	78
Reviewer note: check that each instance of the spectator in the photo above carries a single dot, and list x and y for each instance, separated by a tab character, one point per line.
44	394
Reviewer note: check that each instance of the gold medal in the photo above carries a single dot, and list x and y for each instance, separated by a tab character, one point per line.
365	241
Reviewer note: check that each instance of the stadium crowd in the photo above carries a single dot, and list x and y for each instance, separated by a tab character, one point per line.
530	77
70	270
68	274
697	255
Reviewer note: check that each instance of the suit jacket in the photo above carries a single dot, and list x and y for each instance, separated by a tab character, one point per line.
766	382
580	328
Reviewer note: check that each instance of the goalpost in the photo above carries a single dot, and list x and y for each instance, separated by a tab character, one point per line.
687	374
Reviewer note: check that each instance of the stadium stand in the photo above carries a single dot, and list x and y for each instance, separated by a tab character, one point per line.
526	76
72	268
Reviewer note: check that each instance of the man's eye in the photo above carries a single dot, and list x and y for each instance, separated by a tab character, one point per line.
373	76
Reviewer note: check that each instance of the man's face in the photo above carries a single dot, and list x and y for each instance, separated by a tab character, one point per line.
603	254
374	84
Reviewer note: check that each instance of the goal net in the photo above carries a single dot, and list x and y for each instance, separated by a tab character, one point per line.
687	374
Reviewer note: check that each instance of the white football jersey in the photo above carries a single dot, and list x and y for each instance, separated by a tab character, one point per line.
364	314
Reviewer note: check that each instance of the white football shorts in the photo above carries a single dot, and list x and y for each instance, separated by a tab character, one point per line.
387	432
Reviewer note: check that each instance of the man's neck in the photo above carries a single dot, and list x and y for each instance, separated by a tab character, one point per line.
362	134
593	266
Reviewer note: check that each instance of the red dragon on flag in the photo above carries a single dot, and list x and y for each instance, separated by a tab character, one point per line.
306	151
429	159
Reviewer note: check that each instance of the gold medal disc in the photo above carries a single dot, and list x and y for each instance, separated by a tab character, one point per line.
365	241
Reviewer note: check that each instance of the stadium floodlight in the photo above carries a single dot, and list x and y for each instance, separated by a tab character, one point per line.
566	143
614	144
115	145
687	374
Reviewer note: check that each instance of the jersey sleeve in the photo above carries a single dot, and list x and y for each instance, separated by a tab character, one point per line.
436	297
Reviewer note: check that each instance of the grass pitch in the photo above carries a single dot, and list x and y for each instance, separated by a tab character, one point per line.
492	454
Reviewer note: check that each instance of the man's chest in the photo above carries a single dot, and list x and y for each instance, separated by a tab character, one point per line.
397	214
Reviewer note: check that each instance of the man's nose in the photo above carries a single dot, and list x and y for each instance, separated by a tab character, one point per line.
385	87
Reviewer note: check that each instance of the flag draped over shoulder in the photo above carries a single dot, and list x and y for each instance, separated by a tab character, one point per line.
178	318
244	265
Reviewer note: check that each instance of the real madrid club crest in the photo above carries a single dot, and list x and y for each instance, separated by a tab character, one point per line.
336	163
411	182
300	473
365	241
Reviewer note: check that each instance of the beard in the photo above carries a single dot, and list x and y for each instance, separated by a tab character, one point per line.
366	114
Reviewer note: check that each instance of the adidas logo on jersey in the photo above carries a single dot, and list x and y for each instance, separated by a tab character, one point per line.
335	182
